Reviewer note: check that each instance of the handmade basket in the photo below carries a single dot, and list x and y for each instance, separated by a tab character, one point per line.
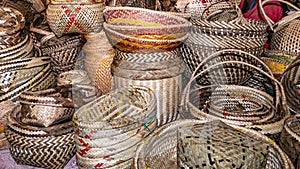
290	82
109	128
238	105
24	74
75	18
145	23
233	73
38	146
165	148
47	107
73	77
290	140
158	76
97	62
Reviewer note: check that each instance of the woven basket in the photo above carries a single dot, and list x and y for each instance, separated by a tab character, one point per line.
75	18
290	81
238	102
13	21
145	23
39	146
97	62
73	77
109	128
218	145
24	74
233	73
290	140
158	76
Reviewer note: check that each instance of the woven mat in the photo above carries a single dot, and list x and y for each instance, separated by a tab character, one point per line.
7	162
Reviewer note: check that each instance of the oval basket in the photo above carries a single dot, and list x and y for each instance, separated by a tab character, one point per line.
75	18
244	100
145	23
290	140
165	147
31	145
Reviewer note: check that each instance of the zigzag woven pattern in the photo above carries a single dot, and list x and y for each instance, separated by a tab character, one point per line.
49	152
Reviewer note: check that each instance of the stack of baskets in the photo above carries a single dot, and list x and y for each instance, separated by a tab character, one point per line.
108	130
224	29
146	43
41	132
238	104
208	144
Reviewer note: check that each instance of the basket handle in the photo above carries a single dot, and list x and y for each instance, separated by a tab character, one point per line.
47	35
278	86
284	20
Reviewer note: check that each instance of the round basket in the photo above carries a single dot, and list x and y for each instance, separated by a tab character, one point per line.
238	101
128	43
24	74
75	18
208	144
290	82
290	140
145	23
31	145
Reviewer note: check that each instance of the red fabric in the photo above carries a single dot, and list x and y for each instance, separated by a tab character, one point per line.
272	9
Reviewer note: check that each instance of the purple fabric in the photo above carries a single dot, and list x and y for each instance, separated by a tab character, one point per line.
7	162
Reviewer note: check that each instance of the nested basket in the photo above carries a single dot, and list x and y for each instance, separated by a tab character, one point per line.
40	146
158	76
238	105
291	83
24	74
77	17
290	140
109	128
208	144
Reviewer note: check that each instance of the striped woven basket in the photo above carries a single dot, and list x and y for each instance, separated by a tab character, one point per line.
38	146
24	74
290	139
158	76
200	143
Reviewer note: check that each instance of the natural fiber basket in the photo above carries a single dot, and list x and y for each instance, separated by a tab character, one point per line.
145	23
75	18
242	105
290	140
13	22
218	145
24	74
37	146
73	77
128	43
290	82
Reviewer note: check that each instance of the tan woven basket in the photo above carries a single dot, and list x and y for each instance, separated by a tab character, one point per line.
241	101
290	140
218	145
75	18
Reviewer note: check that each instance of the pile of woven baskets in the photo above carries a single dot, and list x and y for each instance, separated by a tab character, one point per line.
146	44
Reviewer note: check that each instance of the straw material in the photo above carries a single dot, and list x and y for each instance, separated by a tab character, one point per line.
145	23
14	21
22	75
290	81
75	18
173	146
73	77
290	139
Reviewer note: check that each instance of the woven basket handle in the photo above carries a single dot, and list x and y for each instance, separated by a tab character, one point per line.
284	20
278	86
47	35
